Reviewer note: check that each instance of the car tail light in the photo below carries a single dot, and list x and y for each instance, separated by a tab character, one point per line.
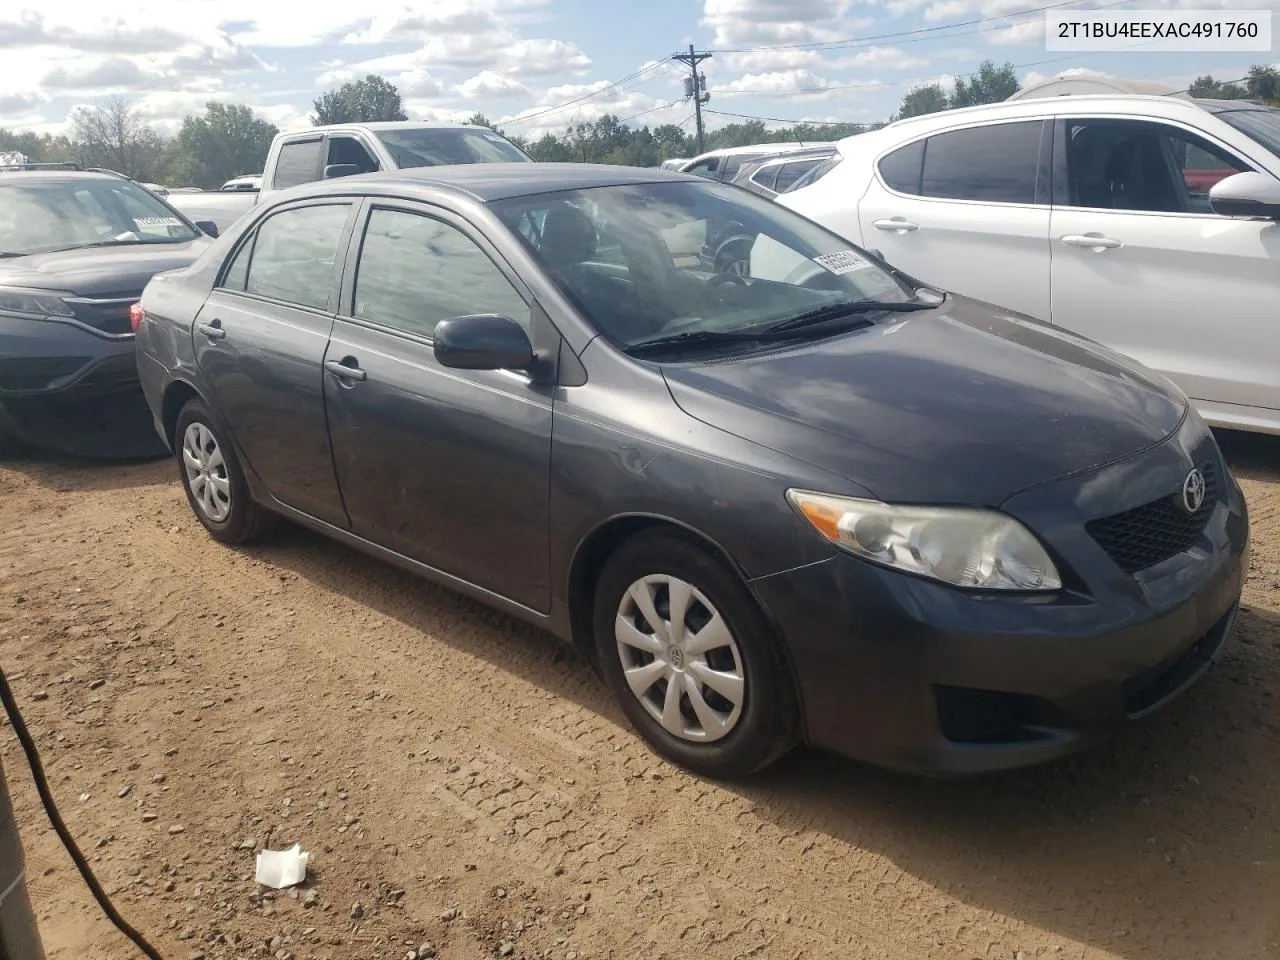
135	315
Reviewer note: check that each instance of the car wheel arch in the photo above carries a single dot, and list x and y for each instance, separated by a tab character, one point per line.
594	550
176	396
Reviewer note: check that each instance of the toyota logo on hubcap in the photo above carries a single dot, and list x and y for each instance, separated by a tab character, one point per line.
1193	490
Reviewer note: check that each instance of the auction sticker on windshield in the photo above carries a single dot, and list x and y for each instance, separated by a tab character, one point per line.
846	261
157	221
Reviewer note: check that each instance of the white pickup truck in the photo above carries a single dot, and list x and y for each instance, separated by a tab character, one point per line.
340	150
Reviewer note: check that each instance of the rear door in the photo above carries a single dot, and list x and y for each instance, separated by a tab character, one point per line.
448	467
260	340
1142	264
968	211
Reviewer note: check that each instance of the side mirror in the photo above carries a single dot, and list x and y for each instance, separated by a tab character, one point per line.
335	170
207	227
1254	195
482	342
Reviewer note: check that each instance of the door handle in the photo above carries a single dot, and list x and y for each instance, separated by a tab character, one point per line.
896	224
345	371
1095	242
213	330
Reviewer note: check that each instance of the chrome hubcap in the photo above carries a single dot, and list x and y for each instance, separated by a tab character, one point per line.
206	472
679	659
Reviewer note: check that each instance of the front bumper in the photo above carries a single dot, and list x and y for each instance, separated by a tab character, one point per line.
914	675
66	388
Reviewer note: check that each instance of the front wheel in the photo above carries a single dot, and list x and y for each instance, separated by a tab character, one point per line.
213	480
691	659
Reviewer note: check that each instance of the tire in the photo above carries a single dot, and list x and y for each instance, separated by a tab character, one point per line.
753	715
214	483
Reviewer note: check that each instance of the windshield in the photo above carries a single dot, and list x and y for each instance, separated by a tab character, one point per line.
1262	125
40	216
663	259
435	147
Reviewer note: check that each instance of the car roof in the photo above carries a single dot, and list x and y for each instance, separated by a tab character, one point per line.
487	182
1148	105
49	176
379	125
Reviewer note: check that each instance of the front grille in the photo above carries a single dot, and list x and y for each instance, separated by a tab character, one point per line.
1144	536
109	313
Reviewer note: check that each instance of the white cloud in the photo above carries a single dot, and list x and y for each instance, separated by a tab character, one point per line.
776	83
884	58
1028	31
13	101
487	85
764	60
335	77
757	22
418	83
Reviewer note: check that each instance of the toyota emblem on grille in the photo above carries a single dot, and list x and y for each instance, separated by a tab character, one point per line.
1193	489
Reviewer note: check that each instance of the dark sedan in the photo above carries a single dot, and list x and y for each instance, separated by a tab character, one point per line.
76	249
831	505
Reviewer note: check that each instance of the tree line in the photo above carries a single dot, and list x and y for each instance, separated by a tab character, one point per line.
230	140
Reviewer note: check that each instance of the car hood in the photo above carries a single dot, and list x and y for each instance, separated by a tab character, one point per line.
95	271
964	404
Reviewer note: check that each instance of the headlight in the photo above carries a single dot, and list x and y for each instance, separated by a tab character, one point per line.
34	303
966	547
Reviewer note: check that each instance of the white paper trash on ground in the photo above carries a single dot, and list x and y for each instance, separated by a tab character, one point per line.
282	868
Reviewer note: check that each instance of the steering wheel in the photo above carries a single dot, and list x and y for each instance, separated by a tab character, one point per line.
716	279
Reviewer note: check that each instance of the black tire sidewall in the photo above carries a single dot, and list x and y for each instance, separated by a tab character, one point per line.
242	520
766	727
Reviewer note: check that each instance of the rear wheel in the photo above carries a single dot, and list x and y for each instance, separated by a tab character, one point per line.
213	480
691	658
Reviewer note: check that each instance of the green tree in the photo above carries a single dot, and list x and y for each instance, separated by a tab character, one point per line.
38	148
1208	88
991	84
930	98
1263	83
228	141
360	101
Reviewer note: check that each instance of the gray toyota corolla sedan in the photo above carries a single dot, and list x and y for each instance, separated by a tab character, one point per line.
818	502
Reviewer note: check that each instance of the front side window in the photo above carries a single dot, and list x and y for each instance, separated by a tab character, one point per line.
1141	166
415	271
298	162
294	253
350	150
437	146
40	216
650	260
997	163
704	168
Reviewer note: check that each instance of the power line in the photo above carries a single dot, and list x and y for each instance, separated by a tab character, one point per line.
903	83
817	45
796	123
591	95
661	106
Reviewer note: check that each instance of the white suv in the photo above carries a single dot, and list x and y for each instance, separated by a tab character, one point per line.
1118	217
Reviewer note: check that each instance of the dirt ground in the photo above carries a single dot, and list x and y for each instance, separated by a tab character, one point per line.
467	789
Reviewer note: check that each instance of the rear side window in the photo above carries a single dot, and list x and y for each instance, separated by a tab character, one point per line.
765	177
299	162
293	255
901	169
995	164
789	173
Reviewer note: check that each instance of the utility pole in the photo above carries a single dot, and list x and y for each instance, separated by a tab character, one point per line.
695	87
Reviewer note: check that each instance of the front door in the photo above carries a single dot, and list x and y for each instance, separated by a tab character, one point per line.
260	340
1142	265
448	467
968	211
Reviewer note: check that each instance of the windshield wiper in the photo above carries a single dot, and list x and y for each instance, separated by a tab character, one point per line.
116	243
5	254
692	338
834	311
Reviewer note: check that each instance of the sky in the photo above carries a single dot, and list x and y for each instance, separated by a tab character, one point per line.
540	65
